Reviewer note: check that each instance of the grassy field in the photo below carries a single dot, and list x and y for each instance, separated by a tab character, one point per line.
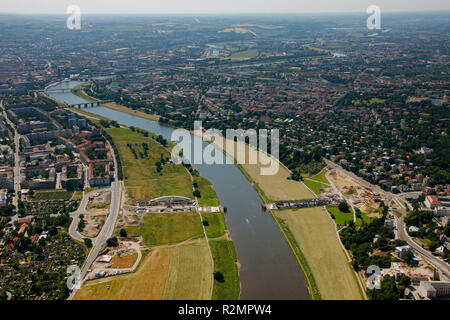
274	187
147	283
77	195
341	218
189	276
137	113
320	177
319	184
208	194
224	256
216	224
93	117
142	180
315	186
52	195
316	236
168	228
244	55
181	272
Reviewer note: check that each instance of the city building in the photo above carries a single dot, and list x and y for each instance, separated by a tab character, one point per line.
434	289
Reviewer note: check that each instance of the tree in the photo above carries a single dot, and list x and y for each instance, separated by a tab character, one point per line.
53	231
123	233
408	257
343	207
112	242
218	276
88	242
388	290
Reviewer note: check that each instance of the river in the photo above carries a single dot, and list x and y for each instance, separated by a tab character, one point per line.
268	269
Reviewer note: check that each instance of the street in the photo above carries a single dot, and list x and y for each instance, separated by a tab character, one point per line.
16	158
437	262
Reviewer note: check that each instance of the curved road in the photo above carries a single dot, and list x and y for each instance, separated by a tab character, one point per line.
73	228
437	262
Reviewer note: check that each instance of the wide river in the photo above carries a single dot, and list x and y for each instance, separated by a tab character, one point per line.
268	269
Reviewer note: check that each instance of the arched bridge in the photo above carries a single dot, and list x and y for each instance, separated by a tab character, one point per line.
88	104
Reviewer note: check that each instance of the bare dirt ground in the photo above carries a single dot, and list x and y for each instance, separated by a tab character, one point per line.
94	224
361	196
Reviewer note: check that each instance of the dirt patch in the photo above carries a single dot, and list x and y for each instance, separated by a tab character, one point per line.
124	261
94	224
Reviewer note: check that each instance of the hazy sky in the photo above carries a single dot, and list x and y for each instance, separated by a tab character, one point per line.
218	6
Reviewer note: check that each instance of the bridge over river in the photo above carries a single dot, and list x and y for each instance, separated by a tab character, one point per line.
88	104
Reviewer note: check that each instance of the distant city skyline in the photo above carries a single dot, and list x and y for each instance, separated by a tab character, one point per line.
218	7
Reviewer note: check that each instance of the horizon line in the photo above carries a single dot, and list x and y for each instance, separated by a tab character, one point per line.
230	13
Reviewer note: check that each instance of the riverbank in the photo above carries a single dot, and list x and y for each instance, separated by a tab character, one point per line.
79	91
261	249
189	271
310	232
268	193
136	113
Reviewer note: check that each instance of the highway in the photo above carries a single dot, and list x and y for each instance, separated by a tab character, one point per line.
437	262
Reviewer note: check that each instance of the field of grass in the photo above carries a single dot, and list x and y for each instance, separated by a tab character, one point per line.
147	283
244	55
142	180
137	113
171	273
341	218
77	195
93	117
52	195
168	228
208	194
216	224
314	233
189	275
273	187
224	256
321	177
315	186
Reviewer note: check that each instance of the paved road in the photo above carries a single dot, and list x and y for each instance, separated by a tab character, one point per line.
73	228
16	158
108	227
437	262
58	181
